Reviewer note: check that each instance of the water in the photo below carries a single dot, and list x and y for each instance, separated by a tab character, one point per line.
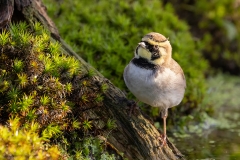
219	144
218	137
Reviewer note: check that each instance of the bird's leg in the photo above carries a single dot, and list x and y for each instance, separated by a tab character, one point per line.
164	114
164	130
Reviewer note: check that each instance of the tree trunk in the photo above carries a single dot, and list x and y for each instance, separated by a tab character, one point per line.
134	136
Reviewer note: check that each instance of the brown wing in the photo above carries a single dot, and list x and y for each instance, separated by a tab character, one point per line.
175	67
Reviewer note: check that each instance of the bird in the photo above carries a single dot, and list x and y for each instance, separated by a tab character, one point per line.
154	77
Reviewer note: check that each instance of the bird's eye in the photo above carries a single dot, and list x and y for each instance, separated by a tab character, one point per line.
151	48
154	49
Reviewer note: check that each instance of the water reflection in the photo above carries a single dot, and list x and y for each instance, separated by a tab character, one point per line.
219	135
221	144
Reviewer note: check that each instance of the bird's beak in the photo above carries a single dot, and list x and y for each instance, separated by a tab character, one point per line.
142	44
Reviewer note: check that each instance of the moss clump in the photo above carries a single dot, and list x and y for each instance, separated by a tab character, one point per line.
47	94
24	143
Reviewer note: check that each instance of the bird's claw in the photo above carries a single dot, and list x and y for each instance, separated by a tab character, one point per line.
163	140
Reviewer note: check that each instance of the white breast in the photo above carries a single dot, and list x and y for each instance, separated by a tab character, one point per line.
163	89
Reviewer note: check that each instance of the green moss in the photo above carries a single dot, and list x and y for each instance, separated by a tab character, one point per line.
41	87
111	124
91	147
216	24
106	35
21	143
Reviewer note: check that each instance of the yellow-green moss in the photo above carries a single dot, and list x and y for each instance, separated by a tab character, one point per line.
42	88
24	143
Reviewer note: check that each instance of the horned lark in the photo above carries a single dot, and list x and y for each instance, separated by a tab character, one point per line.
154	77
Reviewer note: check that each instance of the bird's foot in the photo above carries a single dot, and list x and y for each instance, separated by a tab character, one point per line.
163	140
132	107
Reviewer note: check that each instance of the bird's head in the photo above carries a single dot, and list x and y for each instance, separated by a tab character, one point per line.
155	48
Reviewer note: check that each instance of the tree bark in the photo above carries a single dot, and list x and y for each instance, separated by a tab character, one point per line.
134	136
